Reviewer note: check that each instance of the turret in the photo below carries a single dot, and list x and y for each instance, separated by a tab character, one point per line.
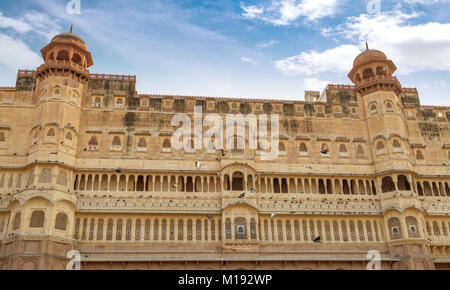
61	84
402	209
43	213
373	71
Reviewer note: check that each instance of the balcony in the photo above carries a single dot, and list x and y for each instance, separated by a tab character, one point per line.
63	65
367	85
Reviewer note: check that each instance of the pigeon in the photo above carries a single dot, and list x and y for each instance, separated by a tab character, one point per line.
272	216
242	195
318	239
198	165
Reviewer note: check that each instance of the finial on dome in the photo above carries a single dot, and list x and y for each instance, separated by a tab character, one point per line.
71	28
367	45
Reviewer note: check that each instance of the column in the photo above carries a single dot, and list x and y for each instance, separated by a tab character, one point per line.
133	230
114	230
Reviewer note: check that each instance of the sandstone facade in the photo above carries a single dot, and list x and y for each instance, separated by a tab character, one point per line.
87	164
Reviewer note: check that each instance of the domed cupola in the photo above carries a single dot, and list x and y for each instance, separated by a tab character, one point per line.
66	53
373	71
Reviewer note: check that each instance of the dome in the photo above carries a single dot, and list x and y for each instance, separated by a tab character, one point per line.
366	58
69	36
369	55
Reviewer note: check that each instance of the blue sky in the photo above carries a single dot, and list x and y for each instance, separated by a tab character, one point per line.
253	49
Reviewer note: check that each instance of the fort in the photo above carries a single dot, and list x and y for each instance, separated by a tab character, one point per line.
87	164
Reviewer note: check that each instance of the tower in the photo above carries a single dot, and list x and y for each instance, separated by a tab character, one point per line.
403	213
43	214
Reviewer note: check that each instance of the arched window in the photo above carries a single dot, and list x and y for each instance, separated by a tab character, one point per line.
419	155
61	221
17	221
37	219
238	181
325	150
63	55
116	141
436	230
2	137
228	229
389	107
166	143
166	146
380	145
226	181
142	145
395	229
388	184
381	70
343	150
282	148
368	73
240	228
57	91
412	227
62	178
69	136
45	176
360	154
76	59
253	229
51	133
373	109
93	143
303	149
51	56
397	146
403	183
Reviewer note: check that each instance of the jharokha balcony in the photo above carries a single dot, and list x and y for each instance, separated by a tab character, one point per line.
377	82
62	65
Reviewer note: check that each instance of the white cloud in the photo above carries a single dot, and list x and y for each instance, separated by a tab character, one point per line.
337	59
248	60
268	44
15	24
286	12
32	22
42	24
425	2
252	12
412	47
313	84
15	54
